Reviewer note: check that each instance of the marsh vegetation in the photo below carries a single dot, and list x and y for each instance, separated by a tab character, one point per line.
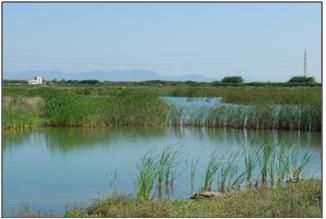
253	169
225	170
243	107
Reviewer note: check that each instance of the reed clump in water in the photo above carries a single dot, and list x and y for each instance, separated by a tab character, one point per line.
227	174
290	117
251	158
260	163
211	171
167	169
193	170
298	161
161	169
146	176
265	160
114	183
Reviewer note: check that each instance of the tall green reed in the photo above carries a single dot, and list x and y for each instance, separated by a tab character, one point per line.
211	171
283	164
227	175
167	168
251	158
146	176
266	153
298	161
193	169
272	166
114	183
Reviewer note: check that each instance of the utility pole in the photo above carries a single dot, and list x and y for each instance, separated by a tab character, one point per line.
305	62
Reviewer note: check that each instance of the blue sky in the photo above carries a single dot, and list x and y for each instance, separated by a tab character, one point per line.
261	42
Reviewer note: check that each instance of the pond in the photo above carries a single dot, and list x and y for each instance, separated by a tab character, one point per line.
52	169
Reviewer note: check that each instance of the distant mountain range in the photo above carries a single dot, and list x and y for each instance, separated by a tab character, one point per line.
116	75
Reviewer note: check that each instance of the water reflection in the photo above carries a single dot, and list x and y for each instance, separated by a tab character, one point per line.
65	166
70	139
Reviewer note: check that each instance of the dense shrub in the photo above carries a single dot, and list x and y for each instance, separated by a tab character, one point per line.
232	79
302	79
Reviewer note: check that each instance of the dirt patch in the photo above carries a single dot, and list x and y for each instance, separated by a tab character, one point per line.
26	102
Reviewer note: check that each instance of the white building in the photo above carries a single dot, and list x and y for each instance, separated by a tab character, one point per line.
36	80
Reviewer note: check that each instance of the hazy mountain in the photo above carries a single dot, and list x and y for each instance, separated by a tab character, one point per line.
116	75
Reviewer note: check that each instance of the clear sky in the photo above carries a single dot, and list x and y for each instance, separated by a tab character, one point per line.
259	41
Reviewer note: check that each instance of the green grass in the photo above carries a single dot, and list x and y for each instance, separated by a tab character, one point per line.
294	108
65	109
21	113
250	95
303	199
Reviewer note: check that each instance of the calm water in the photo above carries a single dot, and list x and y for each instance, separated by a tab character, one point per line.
53	169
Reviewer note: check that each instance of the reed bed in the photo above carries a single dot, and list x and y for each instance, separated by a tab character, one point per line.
21	112
307	118
257	167
160	169
260	108
125	109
